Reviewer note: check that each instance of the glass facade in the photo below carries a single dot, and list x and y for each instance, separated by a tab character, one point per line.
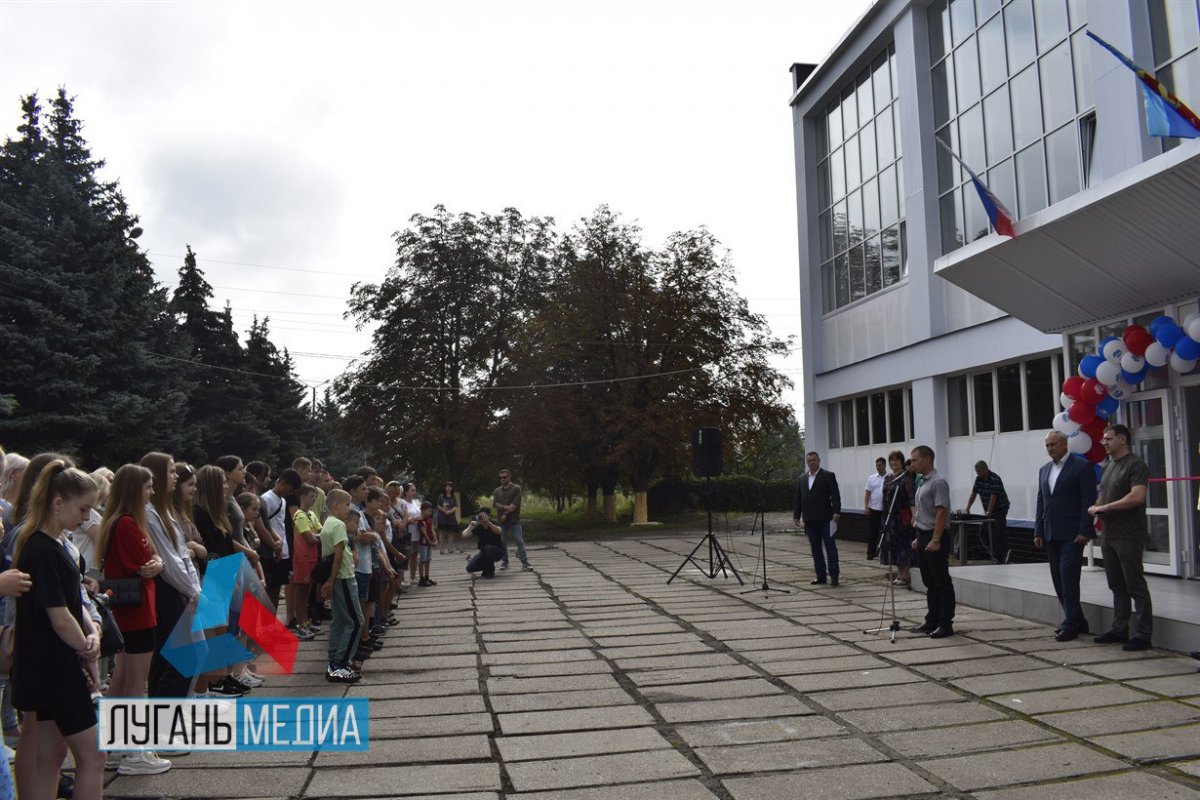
1175	33
1019	396
1012	97
860	193
882	417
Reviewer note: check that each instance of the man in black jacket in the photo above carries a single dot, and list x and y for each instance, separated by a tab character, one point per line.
818	504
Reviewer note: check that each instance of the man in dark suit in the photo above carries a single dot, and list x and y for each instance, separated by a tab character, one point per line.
818	504
1066	488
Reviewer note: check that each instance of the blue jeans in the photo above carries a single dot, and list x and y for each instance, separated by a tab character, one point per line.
820	535
1066	560
513	529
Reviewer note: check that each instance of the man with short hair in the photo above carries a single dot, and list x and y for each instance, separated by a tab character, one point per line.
933	553
273	527
507	500
1066	489
1121	507
817	509
992	496
873	506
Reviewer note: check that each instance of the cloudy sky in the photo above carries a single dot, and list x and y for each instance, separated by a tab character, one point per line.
286	142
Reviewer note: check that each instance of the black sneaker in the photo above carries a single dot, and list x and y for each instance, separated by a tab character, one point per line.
229	687
337	674
1110	637
1136	644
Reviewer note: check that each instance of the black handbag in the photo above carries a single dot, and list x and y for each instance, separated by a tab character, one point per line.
111	640
120	592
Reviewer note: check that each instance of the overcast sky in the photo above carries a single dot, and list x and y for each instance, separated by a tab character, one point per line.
302	135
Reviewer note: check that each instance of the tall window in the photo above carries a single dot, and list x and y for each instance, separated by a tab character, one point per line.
1012	85
860	193
1175	32
871	419
1021	396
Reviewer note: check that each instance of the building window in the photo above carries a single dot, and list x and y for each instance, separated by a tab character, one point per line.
1012	86
1020	396
860	203
877	418
1175	34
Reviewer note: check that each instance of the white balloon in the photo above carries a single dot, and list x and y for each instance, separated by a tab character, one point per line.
1065	401
1114	350
1182	365
1131	363
1064	424
1156	356
1120	390
1079	442
1108	373
1192	325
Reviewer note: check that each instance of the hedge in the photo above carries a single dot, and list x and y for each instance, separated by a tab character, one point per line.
677	494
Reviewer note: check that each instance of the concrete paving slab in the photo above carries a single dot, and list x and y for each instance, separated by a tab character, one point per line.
740	708
555	668
217	783
893	694
1142	668
561	683
586	743
421	780
881	676
1170	685
712	690
840	783
1026	680
662	677
980	666
966	738
1160	744
1108	787
1105	694
661	790
600	770
779	729
574	720
1120	719
897	718
418	750
789	755
1028	765
544	701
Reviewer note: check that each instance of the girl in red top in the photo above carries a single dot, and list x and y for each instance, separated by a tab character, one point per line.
127	551
428	542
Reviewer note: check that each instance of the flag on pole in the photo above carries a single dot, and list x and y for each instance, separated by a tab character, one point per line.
1166	114
1000	217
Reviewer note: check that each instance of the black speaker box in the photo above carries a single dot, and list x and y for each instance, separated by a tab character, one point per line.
706	452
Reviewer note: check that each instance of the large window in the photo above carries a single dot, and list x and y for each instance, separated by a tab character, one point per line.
1175	32
1012	97
860	193
871	419
1021	396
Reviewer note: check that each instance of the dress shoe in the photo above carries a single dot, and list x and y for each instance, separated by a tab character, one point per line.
816	582
926	629
1136	644
942	632
833	581
1110	637
1196	654
1065	635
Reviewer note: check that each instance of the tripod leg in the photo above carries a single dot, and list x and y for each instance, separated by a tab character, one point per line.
690	557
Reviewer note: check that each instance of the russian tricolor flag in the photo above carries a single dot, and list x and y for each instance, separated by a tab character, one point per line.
1166	114
1000	217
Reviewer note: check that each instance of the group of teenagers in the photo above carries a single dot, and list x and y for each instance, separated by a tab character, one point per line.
319	550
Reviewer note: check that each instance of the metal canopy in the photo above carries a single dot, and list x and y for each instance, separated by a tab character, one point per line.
1129	244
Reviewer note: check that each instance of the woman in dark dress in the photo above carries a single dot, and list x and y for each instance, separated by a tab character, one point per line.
899	493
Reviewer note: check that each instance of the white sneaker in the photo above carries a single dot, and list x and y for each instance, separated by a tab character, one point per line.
113	760
249	680
143	763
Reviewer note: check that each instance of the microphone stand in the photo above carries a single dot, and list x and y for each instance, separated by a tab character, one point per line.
889	594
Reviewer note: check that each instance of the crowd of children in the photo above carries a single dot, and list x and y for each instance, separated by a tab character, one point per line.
323	550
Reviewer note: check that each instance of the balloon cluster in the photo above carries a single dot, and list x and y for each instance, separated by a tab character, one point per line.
1109	375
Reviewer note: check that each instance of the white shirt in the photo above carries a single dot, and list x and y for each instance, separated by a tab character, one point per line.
812	476
875	487
1056	468
273	512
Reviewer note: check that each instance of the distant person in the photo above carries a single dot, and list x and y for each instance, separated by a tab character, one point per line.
507	500
990	489
873	506
1066	490
447	519
1123	536
818	508
487	536
899	494
933	556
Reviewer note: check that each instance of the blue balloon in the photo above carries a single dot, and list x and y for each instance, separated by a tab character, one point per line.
1168	334
1104	341
1108	405
1099	471
1158	321
1088	364
1187	348
1102	413
1133	378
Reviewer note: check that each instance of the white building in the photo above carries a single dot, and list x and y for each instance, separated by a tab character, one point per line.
921	326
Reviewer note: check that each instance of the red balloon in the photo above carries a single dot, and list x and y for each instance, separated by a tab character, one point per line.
1081	412
1137	339
1072	386
1097	453
1093	392
1095	429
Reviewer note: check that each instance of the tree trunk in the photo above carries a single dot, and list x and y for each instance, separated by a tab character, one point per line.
610	507
592	507
641	509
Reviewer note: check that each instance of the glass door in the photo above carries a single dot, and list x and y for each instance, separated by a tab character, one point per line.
1147	419
1189	490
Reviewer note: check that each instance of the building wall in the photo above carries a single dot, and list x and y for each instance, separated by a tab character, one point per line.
921	330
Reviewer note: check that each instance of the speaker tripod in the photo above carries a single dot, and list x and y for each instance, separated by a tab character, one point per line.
889	594
718	559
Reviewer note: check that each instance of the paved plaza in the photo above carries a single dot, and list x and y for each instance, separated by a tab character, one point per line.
592	678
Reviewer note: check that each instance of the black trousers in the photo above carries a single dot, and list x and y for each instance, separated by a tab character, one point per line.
874	528
485	561
164	679
999	532
935	574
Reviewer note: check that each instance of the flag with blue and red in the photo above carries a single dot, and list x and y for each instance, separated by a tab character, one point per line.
1001	218
1166	114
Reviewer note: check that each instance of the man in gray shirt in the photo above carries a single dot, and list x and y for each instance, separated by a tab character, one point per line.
1123	536
507	500
933	554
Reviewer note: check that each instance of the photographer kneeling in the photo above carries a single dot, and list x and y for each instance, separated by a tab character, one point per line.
491	547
